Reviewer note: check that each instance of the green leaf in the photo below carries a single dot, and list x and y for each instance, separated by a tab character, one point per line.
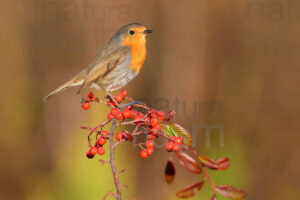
173	129
168	130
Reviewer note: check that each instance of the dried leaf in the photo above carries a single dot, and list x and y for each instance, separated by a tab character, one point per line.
188	162
223	163
207	162
214	197
231	192
189	191
170	171
173	129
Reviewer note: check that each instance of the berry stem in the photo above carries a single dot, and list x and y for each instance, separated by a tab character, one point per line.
112	160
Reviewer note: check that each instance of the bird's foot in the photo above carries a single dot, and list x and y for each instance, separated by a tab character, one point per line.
115	102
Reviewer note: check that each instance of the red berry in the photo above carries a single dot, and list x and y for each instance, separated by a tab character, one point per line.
154	121
91	96
120	136
114	111
151	136
139	117
144	154
110	116
175	147
178	140
102	141
172	138
124	93
169	146
157	126
149	151
89	154
161	113
153	115
154	131
105	132
148	119
119	98
93	150
112	104
150	144
86	105
134	113
119	116
126	113
101	150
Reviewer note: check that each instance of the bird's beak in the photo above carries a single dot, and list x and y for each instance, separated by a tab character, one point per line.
147	31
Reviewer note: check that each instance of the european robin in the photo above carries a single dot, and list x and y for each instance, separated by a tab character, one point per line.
118	63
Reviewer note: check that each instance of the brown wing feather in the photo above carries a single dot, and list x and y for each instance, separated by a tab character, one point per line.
105	65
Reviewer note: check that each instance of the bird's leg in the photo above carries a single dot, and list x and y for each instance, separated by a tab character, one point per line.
113	99
100	87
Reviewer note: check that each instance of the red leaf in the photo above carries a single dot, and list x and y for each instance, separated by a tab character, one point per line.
188	162
223	163
170	171
214	197
191	149
189	191
207	162
231	192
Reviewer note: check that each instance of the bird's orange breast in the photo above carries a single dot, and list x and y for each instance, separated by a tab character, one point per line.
138	51
138	54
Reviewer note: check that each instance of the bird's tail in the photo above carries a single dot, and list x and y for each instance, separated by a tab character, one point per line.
72	82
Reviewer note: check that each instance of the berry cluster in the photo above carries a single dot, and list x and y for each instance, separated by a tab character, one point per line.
98	147
147	121
174	144
86	102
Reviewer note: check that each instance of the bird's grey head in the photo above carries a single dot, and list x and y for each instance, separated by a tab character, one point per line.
134	30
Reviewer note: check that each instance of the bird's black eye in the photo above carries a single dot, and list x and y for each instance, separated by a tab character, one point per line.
131	32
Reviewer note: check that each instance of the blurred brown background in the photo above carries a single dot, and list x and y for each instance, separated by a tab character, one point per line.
233	65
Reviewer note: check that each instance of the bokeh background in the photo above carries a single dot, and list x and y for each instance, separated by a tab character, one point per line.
227	67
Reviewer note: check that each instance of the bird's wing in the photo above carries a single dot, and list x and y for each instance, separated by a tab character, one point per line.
104	65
